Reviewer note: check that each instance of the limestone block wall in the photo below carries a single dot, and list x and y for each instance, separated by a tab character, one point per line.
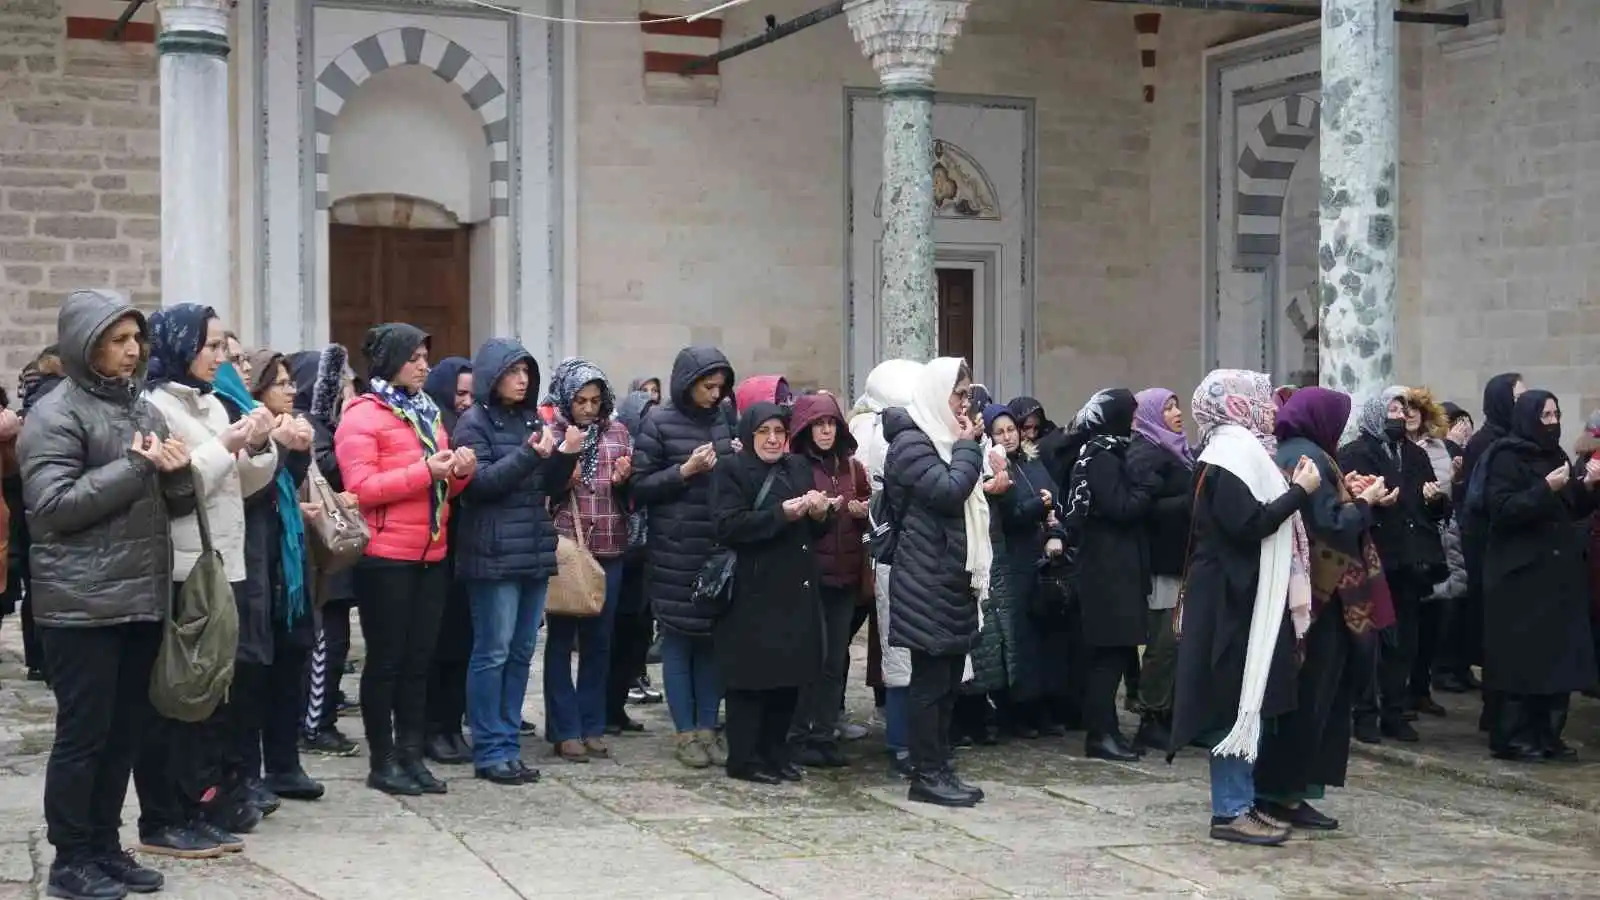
1509	225
80	187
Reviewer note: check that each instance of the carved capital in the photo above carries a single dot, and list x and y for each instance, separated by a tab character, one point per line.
905	38
209	16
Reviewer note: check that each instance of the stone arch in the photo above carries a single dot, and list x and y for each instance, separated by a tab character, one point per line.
446	59
391	211
1269	157
965	192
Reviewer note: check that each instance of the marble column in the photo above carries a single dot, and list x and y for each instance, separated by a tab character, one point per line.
904	39
196	241
1358	249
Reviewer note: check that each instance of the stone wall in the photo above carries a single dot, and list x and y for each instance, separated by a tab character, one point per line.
1509	224
79	173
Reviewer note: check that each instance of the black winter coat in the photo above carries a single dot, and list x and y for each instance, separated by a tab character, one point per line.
1113	558
930	591
682	535
261	597
1407	533
1535	576
771	635
1167	524
1219	602
504	531
1021	517
318	377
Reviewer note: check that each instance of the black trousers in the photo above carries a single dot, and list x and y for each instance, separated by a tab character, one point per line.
267	720
103	717
931	697
817	715
630	642
400	605
1107	666
1430	626
32	650
325	667
1382	685
447	677
757	726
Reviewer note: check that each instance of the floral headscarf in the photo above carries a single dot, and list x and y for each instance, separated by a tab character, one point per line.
1236	397
1376	410
572	375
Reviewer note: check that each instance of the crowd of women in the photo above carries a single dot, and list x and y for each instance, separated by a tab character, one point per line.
1291	590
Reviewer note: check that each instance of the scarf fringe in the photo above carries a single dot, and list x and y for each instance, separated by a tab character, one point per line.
1244	740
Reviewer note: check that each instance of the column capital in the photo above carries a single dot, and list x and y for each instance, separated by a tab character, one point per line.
905	38
195	15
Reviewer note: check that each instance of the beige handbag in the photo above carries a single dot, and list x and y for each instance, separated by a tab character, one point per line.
337	538
578	588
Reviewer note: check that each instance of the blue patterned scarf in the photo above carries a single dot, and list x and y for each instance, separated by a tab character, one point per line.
292	536
422	414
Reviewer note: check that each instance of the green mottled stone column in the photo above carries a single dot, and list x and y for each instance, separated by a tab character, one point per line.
1358	250
905	39
196	188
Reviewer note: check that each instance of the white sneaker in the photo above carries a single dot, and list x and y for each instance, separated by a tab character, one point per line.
850	731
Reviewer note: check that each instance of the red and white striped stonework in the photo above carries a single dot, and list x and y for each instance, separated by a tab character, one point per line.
670	45
1148	25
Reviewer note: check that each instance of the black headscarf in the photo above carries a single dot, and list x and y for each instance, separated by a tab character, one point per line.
1023	407
441	386
1526	427
1498	399
389	346
176	335
751	419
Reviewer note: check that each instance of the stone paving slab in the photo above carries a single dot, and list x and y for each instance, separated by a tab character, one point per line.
641	826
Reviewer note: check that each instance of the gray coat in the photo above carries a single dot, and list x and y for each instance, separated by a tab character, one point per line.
99	515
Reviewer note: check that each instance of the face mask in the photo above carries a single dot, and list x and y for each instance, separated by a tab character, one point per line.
1550	435
1394	429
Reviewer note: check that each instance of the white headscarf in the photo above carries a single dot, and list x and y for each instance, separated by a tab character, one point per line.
891	383
930	409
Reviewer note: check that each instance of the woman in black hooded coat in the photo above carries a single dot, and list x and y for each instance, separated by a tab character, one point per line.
1537	648
769	640
447	678
633	627
1499	395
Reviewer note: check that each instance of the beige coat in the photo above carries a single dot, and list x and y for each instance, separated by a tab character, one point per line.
224	480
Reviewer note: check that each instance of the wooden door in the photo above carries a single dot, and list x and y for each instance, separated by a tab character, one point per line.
414	275
956	313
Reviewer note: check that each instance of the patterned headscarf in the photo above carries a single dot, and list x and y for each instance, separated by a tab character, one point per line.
176	335
571	376
1236	397
1376	410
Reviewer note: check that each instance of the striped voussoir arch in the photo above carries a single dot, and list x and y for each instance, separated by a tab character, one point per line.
1268	159
443	57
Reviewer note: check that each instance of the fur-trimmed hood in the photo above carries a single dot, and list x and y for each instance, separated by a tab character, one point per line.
318	378
1434	419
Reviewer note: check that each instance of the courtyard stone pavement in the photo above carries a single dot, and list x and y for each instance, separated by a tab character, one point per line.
1423	823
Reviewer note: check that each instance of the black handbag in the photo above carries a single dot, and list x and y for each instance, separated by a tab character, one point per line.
713	584
1054	600
882	535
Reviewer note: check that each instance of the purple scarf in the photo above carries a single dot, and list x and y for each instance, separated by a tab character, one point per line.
1149	422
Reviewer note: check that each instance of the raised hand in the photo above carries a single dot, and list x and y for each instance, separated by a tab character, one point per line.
1374	491
794	508
261	422
1559	478
856	509
439	464
543	442
1054	547
10	426
968	429
1044	495
1591	472
1307	475
621	469
572	440
237	436
465	463
174	455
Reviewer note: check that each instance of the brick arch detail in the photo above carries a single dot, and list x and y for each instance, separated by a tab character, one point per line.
1267	161
446	59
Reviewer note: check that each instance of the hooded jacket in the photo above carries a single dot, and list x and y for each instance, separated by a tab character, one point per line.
682	535
99	517
441	386
505	531
836	473
318	380
383	463
762	389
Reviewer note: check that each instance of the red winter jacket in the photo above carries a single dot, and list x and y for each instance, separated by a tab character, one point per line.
382	462
840	552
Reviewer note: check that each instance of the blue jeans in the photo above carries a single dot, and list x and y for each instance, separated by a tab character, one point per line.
689	674
895	720
505	630
1233	786
574	713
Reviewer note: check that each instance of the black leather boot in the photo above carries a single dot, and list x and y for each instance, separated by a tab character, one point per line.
1109	746
1509	734
1555	721
384	773
412	764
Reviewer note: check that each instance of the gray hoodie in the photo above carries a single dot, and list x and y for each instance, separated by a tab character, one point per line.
98	514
